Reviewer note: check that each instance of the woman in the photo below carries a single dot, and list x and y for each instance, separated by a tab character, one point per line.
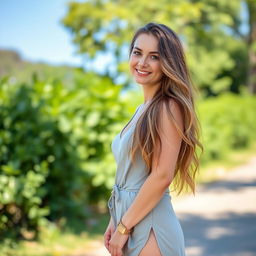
156	148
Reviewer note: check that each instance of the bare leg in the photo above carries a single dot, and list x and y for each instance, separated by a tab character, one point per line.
151	247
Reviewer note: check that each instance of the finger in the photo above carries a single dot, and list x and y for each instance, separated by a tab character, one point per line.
106	241
110	249
117	252
120	253
108	233
107	237
113	251
108	246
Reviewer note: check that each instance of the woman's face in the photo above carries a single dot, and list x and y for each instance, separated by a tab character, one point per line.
144	60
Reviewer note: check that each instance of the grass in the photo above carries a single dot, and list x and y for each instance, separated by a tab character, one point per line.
56	242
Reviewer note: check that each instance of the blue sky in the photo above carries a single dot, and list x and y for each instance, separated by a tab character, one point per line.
33	28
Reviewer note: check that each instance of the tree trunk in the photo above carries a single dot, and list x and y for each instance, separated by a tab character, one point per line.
251	4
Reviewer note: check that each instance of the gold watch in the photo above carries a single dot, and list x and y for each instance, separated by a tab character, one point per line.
123	229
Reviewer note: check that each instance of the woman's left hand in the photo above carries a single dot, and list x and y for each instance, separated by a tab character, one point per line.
117	243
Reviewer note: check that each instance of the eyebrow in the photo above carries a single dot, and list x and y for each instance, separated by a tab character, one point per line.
141	50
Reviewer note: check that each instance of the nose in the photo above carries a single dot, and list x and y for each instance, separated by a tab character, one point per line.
143	61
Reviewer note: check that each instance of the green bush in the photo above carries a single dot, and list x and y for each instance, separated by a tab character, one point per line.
39	170
55	149
228	122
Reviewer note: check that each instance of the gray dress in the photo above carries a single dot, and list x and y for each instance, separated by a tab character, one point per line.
162	219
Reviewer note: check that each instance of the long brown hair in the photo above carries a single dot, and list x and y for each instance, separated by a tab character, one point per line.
177	85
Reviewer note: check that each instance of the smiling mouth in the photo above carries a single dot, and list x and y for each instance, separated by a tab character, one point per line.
142	73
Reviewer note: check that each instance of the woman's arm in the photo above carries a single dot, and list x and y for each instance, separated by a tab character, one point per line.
163	167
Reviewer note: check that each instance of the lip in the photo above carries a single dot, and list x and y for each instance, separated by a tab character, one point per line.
145	73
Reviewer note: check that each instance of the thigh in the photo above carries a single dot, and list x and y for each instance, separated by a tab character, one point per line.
151	247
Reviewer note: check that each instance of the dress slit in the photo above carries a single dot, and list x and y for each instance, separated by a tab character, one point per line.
155	237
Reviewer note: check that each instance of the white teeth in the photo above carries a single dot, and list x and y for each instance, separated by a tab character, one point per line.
142	72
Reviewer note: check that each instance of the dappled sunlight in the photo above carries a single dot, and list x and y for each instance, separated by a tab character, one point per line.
220	219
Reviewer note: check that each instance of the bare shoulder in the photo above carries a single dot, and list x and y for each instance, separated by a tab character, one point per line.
166	155
175	112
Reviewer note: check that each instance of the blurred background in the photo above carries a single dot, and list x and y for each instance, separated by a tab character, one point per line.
65	92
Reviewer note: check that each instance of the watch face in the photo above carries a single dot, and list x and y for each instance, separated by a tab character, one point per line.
121	228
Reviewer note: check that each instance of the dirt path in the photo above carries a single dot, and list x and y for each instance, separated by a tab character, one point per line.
220	220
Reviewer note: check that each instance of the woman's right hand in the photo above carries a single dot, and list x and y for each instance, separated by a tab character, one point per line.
109	232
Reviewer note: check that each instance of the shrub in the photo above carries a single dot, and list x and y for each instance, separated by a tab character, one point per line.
39	170
228	122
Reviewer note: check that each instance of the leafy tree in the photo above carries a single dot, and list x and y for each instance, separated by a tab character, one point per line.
205	27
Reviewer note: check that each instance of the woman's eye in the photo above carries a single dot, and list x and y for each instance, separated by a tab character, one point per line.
136	52
154	57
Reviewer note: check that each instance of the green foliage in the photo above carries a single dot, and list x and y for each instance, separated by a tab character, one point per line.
34	155
228	123
209	30
55	149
